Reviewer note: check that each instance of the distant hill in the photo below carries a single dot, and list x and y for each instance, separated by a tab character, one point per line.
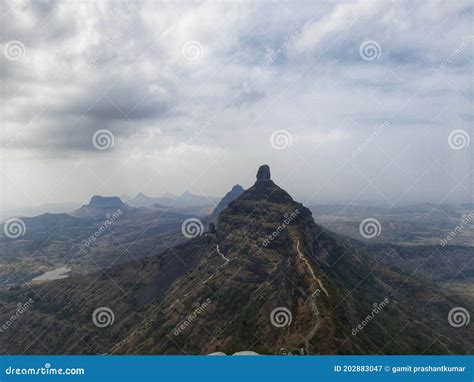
186	199
142	200
101	206
54	208
233	194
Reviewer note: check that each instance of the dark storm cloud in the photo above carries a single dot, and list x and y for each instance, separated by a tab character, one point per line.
126	101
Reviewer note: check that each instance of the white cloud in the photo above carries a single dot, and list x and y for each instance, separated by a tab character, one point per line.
341	18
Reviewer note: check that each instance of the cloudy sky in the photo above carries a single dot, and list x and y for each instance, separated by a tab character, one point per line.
344	100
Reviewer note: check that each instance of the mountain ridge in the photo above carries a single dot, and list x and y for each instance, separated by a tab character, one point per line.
269	279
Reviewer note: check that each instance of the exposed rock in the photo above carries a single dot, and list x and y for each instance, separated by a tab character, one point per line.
105	201
212	228
263	173
100	206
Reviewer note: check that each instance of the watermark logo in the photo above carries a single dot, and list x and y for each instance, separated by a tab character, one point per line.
14	228
370	50
281	317
103	317
377	131
192	228
192	50
103	227
45	370
192	317
101	53
458	317
459	139
289	218
103	139
277	53
196	134
459	228
459	49
377	308
21	308
370	228
281	139
14	50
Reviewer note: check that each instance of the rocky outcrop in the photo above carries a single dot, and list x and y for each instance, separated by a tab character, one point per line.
263	173
106	202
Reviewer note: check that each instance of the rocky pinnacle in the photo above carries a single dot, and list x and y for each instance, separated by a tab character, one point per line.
263	173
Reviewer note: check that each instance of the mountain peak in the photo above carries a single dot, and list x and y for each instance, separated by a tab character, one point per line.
105	201
263	173
237	188
99	206
265	188
233	194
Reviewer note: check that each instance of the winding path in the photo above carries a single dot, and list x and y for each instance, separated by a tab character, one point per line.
220	266
310	268
221	254
314	296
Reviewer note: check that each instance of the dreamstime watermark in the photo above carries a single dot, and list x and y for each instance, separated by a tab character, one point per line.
21	308
458	229
192	228
14	228
103	227
103	139
370	50
196	134
46	370
289	218
370	228
192	50
281	139
192	317
459	139
456	52
377	308
103	317
14	50
281	317
377	131
101	52
458	317
277	53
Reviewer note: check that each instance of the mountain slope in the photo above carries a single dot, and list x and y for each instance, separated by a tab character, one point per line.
270	278
233	194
